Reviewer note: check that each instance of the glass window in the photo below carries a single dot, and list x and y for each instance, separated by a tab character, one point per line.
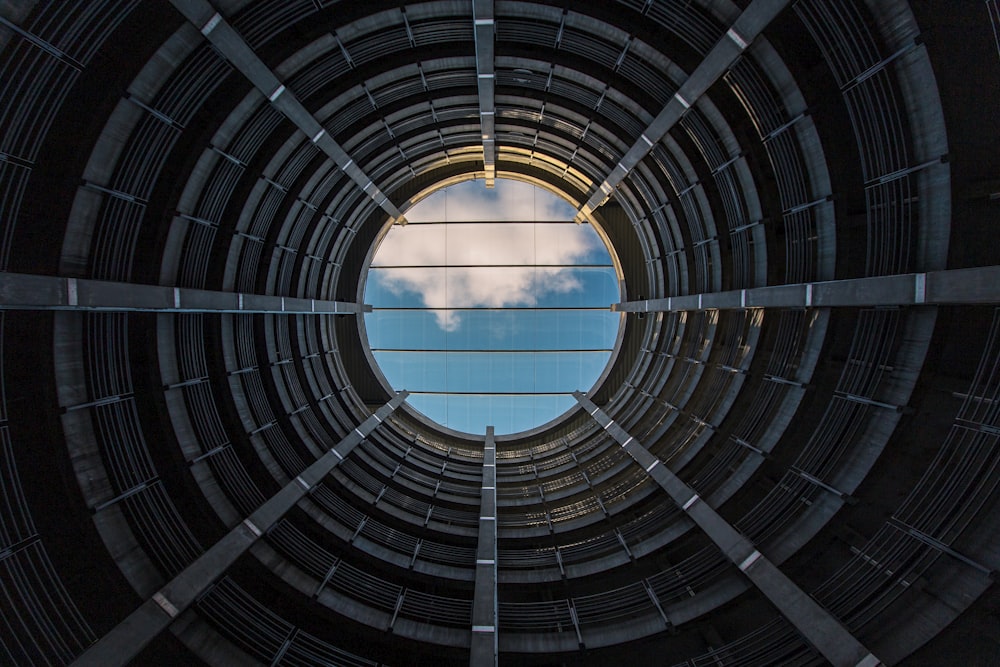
492	306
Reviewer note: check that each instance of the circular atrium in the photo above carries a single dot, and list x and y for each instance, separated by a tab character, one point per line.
716	382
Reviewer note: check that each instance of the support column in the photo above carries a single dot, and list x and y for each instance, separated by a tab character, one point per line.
716	63
25	291
234	48
483	649
816	624
129	637
977	285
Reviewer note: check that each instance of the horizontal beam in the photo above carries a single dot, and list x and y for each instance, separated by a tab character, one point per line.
25	291
813	622
954	286
128	638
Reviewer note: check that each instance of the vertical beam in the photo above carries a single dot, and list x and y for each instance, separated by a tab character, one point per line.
482	17
744	30
483	648
129	637
815	623
234	48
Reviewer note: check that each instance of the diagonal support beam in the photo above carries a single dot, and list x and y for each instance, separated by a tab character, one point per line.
234	48
484	646
717	62
129	637
482	17
812	621
950	287
25	291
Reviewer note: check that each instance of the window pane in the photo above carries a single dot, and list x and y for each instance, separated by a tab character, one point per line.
412	245
492	323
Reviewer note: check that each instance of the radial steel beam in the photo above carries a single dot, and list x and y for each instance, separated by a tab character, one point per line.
129	637
953	286
484	647
235	49
482	17
716	63
24	291
812	621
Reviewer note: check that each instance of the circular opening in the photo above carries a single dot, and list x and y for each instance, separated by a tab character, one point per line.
491	306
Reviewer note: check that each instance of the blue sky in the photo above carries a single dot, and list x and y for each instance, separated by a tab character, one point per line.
496	316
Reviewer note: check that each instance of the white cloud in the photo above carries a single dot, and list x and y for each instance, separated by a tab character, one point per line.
508	201
484	245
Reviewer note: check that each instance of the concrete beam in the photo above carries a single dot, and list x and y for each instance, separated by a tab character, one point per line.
484	645
129	637
482	17
234	48
815	623
25	291
978	285
717	62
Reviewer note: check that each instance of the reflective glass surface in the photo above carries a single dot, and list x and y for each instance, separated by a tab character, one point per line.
491	306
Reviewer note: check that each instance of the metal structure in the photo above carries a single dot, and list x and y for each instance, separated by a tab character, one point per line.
793	459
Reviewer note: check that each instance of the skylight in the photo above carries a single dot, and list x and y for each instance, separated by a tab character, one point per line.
491	306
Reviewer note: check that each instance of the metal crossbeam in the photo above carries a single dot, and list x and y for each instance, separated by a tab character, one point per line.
484	646
954	286
814	622
482	17
235	49
129	637
716	63
25	291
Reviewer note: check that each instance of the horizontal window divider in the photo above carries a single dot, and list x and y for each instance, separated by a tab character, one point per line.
491	393
489	222
526	265
533	350
376	309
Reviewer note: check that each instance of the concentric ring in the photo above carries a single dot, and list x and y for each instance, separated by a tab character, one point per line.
791	459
